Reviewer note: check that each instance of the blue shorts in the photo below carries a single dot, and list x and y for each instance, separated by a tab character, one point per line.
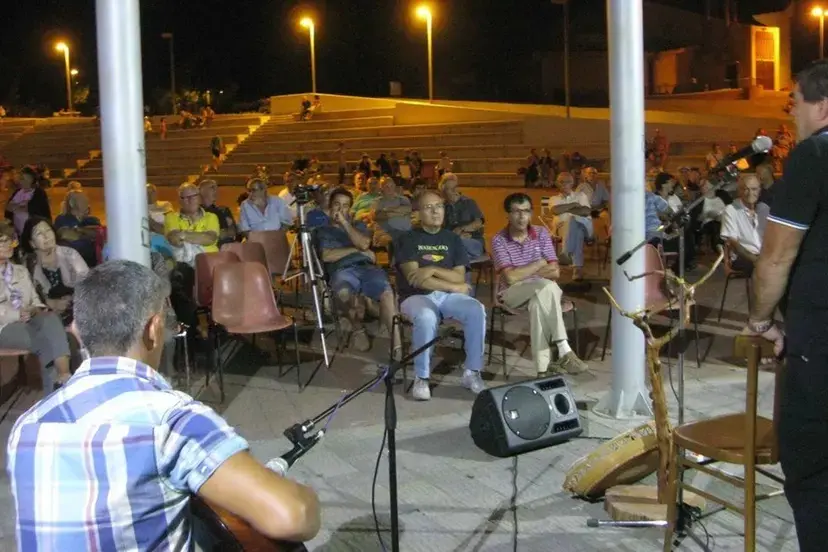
368	280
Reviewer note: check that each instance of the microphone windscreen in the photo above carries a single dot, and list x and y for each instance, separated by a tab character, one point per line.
762	144
278	465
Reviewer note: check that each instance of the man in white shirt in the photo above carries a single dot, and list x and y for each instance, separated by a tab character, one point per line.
286	194
743	224
572	222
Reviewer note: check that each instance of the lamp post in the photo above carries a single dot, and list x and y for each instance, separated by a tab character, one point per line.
170	36
424	12
307	23
820	13
63	47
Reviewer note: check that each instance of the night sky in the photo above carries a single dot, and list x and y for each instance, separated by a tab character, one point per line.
257	49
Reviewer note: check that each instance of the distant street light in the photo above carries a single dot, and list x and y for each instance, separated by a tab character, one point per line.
820	13
74	72
424	12
63	47
307	23
169	36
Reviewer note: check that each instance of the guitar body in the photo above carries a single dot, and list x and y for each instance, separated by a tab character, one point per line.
233	534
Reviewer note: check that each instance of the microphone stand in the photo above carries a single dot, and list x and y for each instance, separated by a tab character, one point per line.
303	436
677	223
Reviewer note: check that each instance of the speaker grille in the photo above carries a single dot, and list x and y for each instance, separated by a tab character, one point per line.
526	412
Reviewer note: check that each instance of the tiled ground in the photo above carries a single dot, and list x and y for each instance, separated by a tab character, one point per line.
452	496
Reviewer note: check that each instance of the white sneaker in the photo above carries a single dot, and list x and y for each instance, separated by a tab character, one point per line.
473	381
420	390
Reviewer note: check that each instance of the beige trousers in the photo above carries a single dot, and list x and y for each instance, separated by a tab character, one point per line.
546	325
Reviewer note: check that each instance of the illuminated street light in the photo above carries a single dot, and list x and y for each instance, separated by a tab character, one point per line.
74	72
307	23
817	11
63	47
424	12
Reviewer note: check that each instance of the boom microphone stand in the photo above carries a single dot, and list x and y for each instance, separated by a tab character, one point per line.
303	436
676	225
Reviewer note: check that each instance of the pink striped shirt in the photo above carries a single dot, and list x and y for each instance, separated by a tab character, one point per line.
508	253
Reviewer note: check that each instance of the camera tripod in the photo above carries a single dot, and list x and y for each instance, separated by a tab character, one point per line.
310	272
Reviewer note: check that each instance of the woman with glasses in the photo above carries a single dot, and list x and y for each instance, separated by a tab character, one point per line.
25	322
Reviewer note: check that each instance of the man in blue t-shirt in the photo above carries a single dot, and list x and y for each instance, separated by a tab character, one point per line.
432	261
349	263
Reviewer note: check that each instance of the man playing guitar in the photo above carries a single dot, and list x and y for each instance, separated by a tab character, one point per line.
111	460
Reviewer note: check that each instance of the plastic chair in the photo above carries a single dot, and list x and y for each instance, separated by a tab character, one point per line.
247	252
501	311
243	304
276	247
205	266
745	439
731	274
655	298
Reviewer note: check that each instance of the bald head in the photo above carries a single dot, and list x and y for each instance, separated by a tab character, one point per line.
749	189
432	210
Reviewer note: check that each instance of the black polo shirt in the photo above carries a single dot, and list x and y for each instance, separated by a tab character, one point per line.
801	202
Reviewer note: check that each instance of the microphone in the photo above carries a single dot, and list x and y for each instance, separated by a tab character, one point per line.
281	464
760	144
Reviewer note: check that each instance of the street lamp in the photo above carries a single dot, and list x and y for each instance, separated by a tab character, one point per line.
74	72
307	23
424	12
169	36
63	47
820	13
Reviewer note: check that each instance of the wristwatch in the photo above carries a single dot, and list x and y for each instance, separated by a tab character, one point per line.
760	327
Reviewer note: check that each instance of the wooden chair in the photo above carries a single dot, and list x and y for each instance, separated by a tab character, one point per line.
501	311
731	274
655	298
745	439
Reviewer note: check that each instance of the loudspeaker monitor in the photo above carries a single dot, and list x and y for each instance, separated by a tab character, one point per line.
519	417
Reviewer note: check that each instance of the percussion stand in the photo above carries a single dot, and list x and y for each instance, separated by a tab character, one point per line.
677	224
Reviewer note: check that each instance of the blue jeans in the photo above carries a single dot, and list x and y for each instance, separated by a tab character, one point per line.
426	312
366	279
574	233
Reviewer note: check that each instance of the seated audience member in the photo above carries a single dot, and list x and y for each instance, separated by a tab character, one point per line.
743	224
28	200
595	190
55	269
764	173
209	193
158	210
25	322
392	214
154	447
305	109
349	263
656	211
286	194
432	261
316	212
664	186
76	228
572	222
710	215
364	202
190	231
524	255
462	216
261	211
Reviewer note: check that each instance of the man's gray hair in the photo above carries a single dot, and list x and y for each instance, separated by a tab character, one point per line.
113	304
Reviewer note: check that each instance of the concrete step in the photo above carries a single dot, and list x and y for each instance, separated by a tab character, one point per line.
243	155
173	179
343	114
477	180
314	124
446	141
269	133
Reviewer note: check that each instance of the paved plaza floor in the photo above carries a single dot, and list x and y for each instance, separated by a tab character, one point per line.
452	496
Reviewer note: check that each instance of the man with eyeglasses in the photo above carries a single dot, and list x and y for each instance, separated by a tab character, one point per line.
524	256
432	261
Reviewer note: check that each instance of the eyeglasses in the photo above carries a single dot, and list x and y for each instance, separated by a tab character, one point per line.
433	207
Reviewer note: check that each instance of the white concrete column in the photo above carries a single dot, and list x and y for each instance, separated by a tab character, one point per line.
122	128
629	396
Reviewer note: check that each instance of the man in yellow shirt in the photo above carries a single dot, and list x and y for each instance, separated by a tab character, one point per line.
192	224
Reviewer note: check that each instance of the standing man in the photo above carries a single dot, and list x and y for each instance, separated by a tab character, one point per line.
524	255
794	259
433	286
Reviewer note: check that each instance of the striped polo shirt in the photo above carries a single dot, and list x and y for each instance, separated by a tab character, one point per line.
509	253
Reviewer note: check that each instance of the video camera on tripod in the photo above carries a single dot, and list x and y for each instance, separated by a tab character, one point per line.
304	193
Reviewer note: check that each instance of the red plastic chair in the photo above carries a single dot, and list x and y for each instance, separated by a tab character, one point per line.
247	252
276	247
100	241
205	266
243	304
